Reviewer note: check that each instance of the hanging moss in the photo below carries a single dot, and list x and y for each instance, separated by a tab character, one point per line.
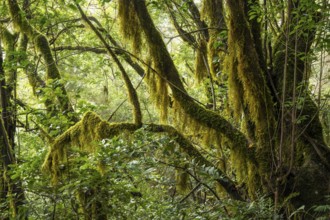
159	93
132	95
162	98
235	88
187	106
167	70
213	14
253	89
130	26
201	69
215	56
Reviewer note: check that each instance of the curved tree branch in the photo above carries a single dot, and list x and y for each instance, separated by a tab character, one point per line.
131	91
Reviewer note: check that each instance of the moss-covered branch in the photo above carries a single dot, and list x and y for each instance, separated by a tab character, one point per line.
41	43
34	79
92	128
11	195
84	134
190	150
167	70
213	14
255	91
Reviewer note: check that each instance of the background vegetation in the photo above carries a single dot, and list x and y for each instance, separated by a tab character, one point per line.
169	109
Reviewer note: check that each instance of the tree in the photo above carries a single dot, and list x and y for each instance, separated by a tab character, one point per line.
252	60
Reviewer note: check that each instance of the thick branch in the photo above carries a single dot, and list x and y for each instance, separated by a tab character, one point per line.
170	73
31	71
189	149
91	128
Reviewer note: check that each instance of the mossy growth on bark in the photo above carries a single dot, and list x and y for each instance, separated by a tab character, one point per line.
248	79
235	91
34	79
308	157
166	69
42	45
85	134
212	11
213	14
187	147
8	39
159	93
201	61
9	65
130	26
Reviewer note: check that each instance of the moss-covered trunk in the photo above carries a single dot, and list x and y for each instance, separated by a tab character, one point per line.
12	195
305	164
293	158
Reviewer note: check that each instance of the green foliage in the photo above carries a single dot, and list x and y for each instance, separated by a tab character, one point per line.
132	176
323	211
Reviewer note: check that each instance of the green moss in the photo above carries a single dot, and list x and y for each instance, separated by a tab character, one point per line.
42	45
166	69
20	22
235	91
8	39
213	14
248	85
130	26
10	66
35	80
190	150
212	11
201	70
159	94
